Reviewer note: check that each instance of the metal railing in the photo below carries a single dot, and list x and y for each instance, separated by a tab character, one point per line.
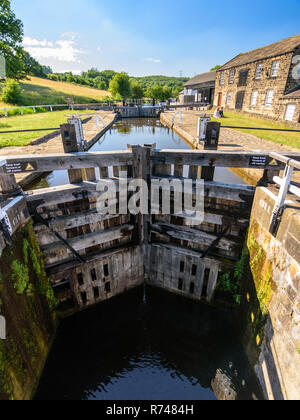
286	186
33	107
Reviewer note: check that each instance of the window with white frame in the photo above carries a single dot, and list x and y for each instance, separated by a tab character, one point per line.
222	80
254	97
269	97
290	112
229	98
275	68
231	76
258	73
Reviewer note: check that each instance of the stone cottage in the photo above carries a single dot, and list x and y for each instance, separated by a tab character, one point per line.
200	88
265	82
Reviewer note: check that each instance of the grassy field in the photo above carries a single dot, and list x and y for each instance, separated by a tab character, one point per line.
27	122
38	91
240	120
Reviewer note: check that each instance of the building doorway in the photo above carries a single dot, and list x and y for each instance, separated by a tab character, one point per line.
240	100
220	98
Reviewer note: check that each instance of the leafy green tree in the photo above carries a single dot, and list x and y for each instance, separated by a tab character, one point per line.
216	68
102	85
12	93
154	92
137	91
120	86
32	67
11	35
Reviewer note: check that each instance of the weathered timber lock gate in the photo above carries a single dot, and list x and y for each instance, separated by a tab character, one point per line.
91	257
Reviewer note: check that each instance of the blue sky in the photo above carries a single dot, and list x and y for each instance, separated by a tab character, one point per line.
151	37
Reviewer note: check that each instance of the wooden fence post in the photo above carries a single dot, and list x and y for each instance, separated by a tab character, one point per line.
72	144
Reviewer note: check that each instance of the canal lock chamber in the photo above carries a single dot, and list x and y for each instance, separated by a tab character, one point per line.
152	321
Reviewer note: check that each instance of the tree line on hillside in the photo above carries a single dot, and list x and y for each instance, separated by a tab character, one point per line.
157	87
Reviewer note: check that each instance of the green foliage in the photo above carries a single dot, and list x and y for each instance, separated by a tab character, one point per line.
12	93
20	274
33	68
215	68
11	33
101	80
231	283
92	78
159	93
120	86
175	83
44	282
30	345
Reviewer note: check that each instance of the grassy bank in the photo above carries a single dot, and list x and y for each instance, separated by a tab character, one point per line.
27	122
241	120
38	91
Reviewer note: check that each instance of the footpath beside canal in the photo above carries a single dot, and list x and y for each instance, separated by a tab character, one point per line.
52	143
230	139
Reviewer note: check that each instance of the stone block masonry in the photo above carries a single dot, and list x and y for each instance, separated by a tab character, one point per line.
271	300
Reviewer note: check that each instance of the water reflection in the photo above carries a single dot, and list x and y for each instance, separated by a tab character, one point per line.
136	131
165	349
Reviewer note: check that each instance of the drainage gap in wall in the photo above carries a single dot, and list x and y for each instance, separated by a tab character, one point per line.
194	270
106	272
180	284
96	292
94	274
84	298
192	288
80	279
205	282
107	287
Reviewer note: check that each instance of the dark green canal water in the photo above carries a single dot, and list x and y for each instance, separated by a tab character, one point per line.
147	346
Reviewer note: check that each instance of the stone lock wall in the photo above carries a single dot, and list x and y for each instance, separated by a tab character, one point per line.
28	305
270	310
280	84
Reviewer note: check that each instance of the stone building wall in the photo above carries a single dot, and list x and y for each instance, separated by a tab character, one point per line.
280	84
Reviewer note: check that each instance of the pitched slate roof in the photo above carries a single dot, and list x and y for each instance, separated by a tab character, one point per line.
273	50
202	78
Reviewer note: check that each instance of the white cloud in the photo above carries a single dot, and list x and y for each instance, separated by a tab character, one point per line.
61	50
31	42
152	60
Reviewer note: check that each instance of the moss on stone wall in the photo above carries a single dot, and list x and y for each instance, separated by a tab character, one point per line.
256	292
28	305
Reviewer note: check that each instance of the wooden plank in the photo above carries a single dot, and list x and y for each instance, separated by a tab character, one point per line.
66	266
193	235
80	243
65	193
231	192
218	218
241	159
208	262
65	161
89	174
73	221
